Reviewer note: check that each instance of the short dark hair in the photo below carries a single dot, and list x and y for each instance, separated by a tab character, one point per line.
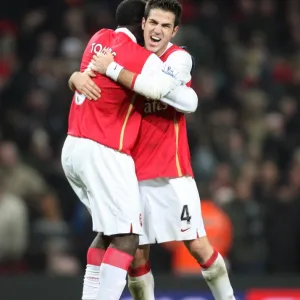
130	12
167	5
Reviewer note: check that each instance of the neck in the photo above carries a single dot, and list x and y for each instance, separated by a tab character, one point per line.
130	28
162	51
136	31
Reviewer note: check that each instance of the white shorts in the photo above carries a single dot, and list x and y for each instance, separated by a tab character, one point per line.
171	210
105	181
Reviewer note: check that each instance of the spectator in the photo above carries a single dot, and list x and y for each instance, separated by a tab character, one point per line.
248	250
14	230
20	179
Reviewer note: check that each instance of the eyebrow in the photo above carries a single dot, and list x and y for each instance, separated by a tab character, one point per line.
164	24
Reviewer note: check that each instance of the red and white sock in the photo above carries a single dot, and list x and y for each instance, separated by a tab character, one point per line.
112	275
91	277
215	274
141	283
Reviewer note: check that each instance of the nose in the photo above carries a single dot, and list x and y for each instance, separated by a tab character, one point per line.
157	30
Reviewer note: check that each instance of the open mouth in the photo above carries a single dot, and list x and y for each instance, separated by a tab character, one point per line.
155	39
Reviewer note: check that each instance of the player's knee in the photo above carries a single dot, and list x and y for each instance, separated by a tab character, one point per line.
126	243
200	249
141	256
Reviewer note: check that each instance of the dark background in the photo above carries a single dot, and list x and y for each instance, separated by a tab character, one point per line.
244	137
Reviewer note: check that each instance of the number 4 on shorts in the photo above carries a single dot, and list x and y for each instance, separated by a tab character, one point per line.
185	215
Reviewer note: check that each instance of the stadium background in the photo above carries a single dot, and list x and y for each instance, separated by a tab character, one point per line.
244	141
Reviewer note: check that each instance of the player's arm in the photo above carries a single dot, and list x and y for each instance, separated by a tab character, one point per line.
155	81
182	98
83	83
152	83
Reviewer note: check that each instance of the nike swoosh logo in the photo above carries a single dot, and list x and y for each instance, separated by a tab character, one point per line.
183	230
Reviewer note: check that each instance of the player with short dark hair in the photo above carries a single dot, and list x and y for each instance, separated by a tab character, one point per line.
170	198
96	155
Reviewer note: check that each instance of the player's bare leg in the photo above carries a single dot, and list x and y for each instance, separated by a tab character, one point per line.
141	282
140	278
108	259
115	265
95	256
213	268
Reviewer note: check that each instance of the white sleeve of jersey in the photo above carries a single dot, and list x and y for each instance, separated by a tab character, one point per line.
167	81
183	98
180	65
153	82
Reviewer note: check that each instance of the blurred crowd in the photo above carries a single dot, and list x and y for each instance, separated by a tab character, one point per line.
244	136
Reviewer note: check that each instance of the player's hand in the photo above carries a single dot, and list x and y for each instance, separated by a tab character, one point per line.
86	86
90	73
101	61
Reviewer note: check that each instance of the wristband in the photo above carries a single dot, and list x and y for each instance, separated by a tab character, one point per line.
113	70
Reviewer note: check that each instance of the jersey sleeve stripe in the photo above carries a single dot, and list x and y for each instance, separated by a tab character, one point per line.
133	81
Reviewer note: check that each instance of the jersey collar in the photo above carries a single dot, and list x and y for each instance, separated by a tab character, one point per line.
127	32
168	47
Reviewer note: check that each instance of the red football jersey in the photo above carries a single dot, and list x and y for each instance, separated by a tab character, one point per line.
162	148
113	120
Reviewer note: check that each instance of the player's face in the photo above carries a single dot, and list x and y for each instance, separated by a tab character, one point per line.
159	29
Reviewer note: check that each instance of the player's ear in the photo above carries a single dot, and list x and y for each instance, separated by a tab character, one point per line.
176	28
143	23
